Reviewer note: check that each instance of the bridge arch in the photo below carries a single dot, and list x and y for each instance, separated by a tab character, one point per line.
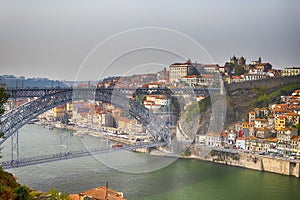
16	119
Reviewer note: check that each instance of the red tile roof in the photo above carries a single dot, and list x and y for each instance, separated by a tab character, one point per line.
100	193
282	117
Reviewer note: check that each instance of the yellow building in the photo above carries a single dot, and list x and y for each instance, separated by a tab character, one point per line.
59	112
247	125
280	122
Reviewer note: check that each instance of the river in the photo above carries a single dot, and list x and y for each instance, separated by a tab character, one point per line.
180	179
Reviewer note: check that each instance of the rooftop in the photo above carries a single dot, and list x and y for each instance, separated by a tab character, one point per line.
100	193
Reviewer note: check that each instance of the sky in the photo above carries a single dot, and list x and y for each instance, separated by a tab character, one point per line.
93	39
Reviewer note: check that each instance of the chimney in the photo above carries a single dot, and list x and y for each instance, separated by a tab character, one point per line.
106	188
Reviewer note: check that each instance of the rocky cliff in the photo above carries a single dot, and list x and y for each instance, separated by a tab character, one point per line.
224	111
242	97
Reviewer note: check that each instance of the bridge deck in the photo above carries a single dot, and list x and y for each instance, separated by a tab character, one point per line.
72	154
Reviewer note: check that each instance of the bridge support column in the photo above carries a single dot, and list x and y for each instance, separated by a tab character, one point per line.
64	142
15	147
15	139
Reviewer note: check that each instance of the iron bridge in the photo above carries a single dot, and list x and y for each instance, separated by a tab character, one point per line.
48	98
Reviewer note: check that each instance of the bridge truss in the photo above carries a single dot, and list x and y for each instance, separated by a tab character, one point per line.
48	98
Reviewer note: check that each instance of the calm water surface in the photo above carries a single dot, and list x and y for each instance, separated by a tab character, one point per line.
183	179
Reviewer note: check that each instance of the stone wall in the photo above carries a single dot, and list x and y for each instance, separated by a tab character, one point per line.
274	82
249	161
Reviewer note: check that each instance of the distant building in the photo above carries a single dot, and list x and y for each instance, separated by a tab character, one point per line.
179	70
240	143
263	66
59	112
233	60
211	68
254	62
238	61
280	122
199	80
291	71
213	139
242	61
107	119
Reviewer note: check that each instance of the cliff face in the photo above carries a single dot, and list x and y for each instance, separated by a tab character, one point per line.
204	117
241	97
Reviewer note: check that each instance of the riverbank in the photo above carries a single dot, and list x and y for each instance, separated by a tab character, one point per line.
235	158
247	160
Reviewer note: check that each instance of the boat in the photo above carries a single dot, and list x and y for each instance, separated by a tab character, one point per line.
119	145
50	126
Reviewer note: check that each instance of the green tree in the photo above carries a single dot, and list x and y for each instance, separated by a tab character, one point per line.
298	127
22	193
229	67
58	195
239	70
3	99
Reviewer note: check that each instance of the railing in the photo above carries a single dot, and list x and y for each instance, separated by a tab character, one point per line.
72	154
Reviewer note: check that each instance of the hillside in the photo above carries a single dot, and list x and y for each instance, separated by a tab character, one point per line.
240	98
7	185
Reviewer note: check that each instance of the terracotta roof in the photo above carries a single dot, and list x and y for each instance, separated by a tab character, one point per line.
224	134
236	77
213	134
156	83
262	64
292	114
295	138
282	117
251	137
272	140
211	65
191	76
74	196
276	109
100	193
261	129
207	75
261	119
248	123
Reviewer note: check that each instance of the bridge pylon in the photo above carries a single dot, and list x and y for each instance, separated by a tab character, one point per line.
15	146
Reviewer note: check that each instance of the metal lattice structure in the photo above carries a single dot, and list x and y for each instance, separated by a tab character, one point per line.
50	98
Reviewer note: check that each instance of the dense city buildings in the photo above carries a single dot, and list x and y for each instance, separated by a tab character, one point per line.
269	129
291	71
272	130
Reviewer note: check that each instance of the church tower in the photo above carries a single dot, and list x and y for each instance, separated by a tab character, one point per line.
233	60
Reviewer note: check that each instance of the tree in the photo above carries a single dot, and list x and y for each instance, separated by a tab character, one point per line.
58	195
298	127
22	193
239	70
3	99
229	67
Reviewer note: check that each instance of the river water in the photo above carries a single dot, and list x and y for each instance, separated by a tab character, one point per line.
180	179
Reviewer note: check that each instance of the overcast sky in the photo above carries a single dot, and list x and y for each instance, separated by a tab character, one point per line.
86	39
